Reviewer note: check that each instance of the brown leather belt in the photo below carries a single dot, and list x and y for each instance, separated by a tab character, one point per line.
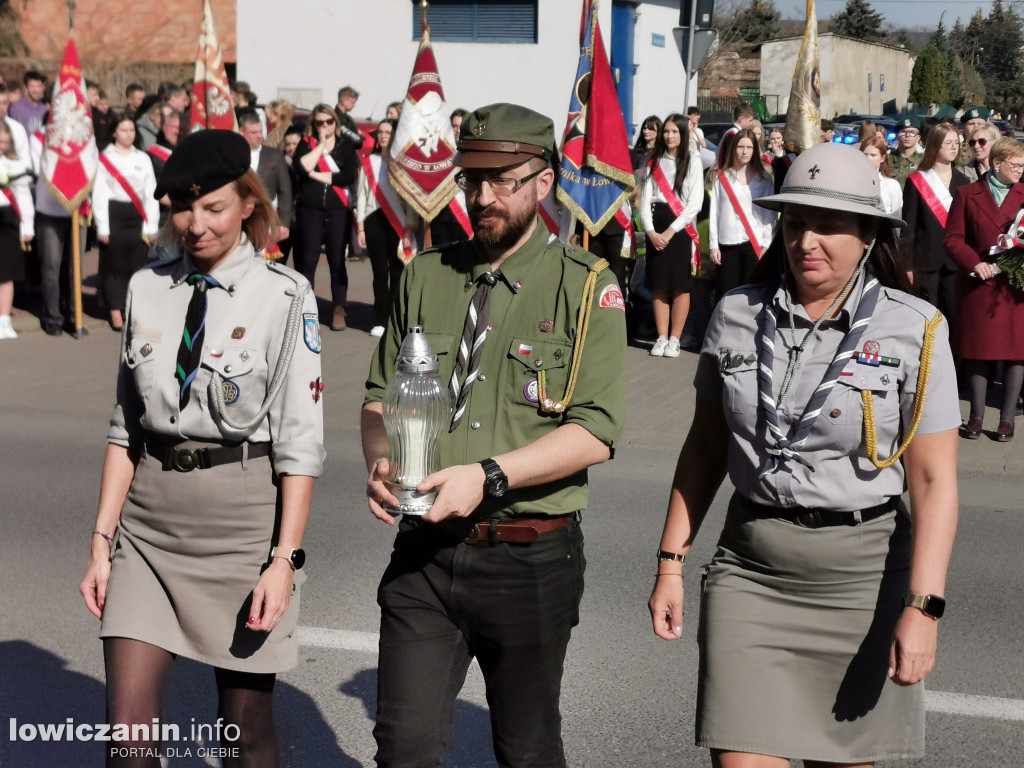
524	530
187	459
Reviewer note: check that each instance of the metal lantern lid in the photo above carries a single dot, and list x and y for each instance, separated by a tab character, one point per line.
416	354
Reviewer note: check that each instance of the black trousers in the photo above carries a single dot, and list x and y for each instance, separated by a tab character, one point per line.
737	262
939	288
608	246
511	606
54	244
382	243
331	228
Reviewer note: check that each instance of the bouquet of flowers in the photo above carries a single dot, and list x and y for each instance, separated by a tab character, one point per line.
1009	252
11	172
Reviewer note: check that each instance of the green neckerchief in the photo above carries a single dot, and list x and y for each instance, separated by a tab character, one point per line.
999	190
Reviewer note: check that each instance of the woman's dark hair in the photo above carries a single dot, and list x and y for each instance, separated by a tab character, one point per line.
888	261
652	120
755	160
116	118
394	127
682	124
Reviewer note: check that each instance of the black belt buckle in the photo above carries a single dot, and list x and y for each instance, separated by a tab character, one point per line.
186	459
812	518
472	533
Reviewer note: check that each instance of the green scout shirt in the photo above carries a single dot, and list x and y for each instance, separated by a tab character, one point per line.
902	167
533	317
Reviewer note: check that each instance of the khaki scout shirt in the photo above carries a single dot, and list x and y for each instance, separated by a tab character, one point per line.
901	167
533	316
245	324
840	476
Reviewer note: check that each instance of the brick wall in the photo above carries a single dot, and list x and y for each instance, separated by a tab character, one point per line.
125	31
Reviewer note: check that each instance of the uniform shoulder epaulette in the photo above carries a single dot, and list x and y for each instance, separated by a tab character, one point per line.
285	271
922	307
579	255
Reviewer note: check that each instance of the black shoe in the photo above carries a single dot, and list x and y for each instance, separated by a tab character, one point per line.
52	328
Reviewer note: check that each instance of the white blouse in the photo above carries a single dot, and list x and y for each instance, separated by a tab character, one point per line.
22	190
892	195
137	169
692	193
725	227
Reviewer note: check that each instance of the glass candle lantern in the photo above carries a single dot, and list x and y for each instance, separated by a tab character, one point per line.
417	407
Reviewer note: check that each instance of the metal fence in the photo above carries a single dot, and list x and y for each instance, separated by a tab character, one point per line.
718	109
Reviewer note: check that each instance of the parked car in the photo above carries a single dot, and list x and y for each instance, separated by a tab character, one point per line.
1004	127
847	127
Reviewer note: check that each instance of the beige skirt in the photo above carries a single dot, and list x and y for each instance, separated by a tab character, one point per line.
190	548
794	638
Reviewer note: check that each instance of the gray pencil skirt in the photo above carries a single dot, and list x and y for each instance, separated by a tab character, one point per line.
190	548
794	637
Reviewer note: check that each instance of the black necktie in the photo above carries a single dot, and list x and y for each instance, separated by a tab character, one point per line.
190	349
471	346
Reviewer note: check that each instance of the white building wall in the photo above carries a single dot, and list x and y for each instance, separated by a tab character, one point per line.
845	65
660	82
314	47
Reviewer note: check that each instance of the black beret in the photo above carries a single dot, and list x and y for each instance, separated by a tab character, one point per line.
202	162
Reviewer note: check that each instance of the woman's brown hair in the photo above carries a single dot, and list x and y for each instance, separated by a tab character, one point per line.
878	143
936	137
321	109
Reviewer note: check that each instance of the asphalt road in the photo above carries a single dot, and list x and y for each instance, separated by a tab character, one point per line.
628	697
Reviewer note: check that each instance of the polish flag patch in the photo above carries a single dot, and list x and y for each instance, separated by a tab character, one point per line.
525	349
611	297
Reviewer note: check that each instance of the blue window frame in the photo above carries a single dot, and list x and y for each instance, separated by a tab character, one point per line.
482	21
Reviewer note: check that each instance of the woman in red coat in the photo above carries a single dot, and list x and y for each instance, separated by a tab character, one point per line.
989	312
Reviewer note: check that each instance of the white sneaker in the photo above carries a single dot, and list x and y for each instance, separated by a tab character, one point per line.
377	331
672	350
7	328
658	350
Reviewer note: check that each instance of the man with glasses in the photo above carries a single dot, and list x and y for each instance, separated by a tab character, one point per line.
908	152
495	569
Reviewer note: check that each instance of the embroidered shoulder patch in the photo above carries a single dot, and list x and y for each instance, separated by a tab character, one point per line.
611	297
311	332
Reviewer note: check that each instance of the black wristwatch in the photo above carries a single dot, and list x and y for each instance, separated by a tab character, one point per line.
929	605
296	558
496	483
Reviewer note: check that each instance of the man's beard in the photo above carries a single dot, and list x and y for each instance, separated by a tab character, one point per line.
504	230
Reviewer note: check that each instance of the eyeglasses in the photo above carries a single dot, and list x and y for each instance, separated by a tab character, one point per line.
1015	167
951	143
977	142
324	122
910	134
500	186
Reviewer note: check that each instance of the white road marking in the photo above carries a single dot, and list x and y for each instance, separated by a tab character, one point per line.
974	706
939	702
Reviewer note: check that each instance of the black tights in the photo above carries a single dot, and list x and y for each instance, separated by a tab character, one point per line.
979	373
137	677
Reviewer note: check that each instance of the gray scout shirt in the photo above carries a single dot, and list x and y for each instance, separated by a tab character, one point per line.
840	476
245	325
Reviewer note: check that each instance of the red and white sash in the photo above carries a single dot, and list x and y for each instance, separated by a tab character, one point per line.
128	189
548	210
160	153
676	205
459	211
387	200
323	167
731	194
934	193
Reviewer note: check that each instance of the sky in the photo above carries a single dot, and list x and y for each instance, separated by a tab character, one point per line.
899	13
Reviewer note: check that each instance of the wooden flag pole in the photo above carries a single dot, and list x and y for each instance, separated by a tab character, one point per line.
586	239
76	273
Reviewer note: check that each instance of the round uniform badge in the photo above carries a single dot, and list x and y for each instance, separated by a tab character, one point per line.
532	391
230	391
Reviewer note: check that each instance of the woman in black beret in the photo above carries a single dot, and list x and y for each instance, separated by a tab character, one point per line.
213	446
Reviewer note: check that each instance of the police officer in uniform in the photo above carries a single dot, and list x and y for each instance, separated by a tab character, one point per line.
908	152
495	569
213	446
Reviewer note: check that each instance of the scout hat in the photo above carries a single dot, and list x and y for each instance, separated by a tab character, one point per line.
203	162
974	113
832	176
504	135
910	121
